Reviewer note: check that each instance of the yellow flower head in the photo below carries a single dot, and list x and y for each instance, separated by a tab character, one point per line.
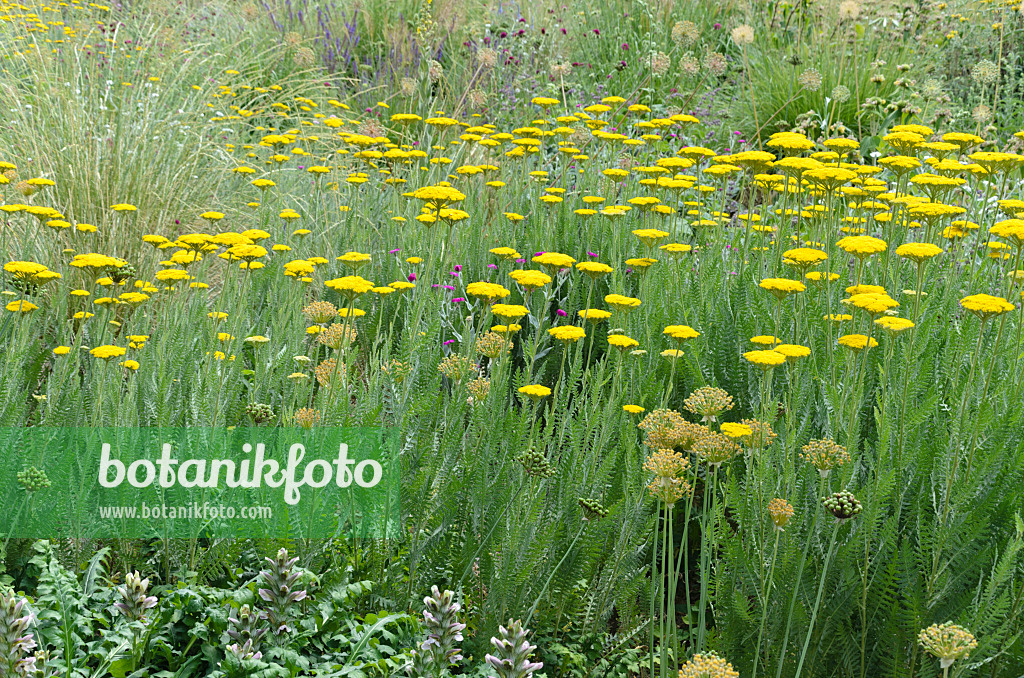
985	305
621	303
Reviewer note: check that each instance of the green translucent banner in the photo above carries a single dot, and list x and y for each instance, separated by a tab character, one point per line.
198	482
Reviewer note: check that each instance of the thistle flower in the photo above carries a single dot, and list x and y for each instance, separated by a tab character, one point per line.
512	652
947	642
281	592
708	402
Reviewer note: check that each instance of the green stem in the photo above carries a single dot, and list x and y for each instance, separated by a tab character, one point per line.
766	591
817	600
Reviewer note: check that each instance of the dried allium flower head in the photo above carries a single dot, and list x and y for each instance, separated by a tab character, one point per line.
931	89
708	665
487	57
329	371
685	33
843	505
305	57
492	345
947	642
668	429
560	69
407	86
849	10
337	335
761	435
250	11
715	63
371	128
985	72
688	64
825	455
477	97
841	93
743	35
667	465
291	38
435	71
716	448
478	389
780	511
660	63
810	79
981	114
320	311
708	402
306	417
456	367
25	188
